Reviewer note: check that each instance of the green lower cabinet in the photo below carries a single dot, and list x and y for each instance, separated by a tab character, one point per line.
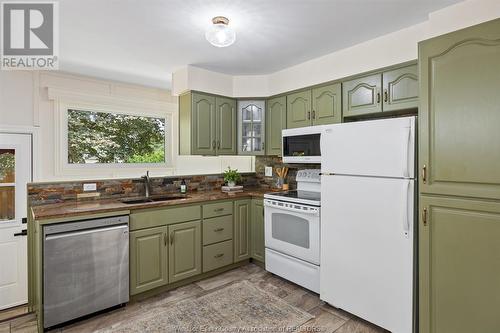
327	104
148	259
257	235
242	216
184	253
217	255
459	265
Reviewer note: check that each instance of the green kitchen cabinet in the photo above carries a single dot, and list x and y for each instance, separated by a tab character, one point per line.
226	125
275	123
252	127
207	124
242	232
184	253
257	230
298	109
148	259
459	115
327	104
362	95
400	89
459	265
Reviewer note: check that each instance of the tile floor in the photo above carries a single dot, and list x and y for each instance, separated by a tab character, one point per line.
327	318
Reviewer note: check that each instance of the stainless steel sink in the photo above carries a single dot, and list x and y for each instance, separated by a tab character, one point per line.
132	201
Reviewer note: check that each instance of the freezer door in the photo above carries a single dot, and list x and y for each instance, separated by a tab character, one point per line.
367	248
370	148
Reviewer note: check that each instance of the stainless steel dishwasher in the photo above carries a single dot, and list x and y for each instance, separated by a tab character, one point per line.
85	268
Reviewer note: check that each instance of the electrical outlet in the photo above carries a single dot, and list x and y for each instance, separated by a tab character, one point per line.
89	187
269	171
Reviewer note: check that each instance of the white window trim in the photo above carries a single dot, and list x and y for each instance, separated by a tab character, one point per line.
109	104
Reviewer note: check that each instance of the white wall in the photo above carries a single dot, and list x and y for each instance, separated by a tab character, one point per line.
387	50
25	101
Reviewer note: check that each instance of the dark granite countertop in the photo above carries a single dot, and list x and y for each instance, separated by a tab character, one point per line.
80	208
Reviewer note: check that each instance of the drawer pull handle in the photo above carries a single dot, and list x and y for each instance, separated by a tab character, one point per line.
220	255
218	229
219	210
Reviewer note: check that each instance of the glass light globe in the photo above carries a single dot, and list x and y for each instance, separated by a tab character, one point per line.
220	34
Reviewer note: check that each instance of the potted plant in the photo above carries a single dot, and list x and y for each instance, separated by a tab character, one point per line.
231	177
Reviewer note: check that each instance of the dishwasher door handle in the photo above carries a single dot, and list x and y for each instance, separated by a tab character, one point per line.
84	232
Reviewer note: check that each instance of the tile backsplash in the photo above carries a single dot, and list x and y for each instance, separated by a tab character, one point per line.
276	162
57	192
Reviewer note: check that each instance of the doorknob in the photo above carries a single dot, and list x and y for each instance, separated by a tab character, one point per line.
23	232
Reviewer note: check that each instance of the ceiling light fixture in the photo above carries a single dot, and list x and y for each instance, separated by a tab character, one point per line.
220	34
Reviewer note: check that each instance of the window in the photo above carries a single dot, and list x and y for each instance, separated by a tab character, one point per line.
104	138
7	184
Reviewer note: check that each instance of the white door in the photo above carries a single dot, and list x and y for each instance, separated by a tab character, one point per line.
367	248
15	173
370	148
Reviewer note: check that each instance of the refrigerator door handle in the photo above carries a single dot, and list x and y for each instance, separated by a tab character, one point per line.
406	148
406	205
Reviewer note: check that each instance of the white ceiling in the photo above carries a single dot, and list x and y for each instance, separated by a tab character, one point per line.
144	41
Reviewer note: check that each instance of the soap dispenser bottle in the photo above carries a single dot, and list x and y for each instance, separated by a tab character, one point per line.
183	187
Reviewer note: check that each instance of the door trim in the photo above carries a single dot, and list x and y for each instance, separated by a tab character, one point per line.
35	146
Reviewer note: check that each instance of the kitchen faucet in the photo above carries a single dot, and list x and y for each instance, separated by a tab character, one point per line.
147	183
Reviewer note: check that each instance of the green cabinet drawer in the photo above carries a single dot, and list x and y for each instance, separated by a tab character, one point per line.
143	219
217	229
217	209
217	255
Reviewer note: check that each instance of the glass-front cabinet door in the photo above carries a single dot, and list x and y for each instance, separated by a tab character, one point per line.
251	127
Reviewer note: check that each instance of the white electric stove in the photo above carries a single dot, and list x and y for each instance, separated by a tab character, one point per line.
292	231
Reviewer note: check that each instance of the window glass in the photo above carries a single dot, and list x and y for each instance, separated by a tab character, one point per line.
7	166
101	137
7	203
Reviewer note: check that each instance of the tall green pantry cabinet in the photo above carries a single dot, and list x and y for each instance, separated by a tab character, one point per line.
459	161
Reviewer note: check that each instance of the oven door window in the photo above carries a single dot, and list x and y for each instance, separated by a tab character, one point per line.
290	229
301	145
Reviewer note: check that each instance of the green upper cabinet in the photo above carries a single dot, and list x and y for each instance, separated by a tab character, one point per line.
275	123
362	95
148	259
459	265
242	216
184	253
226	126
251	127
257	230
326	105
400	88
298	109
204	125
207	124
459	115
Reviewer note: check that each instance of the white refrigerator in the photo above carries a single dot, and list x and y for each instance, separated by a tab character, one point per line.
367	229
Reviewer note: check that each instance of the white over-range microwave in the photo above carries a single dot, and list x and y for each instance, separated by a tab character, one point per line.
302	145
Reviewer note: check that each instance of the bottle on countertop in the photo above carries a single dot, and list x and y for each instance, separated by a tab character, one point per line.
183	187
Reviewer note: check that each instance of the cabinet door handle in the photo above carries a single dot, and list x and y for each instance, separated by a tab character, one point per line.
218	144
424	174
378	97
165	238
424	216
213	145
386	95
219	255
218	229
263	145
171	238
308	115
314	114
